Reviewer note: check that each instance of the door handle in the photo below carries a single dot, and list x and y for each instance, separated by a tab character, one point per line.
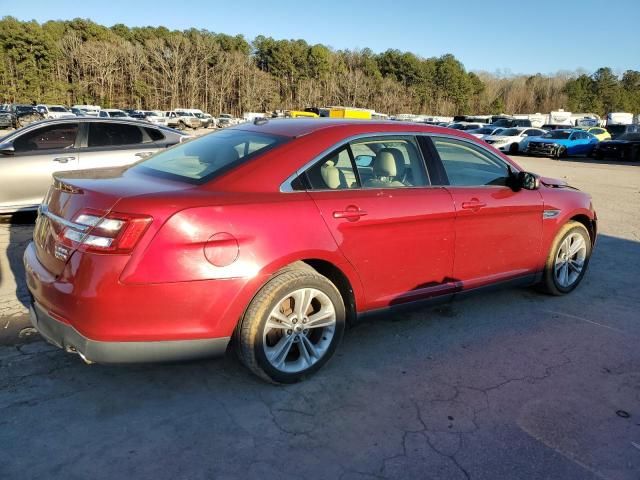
143	154
63	159
351	213
474	204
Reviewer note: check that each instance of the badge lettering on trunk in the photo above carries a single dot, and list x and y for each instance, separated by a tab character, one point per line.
61	253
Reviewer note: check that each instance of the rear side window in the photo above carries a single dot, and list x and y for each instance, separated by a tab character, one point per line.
113	134
154	134
467	165
53	137
201	159
334	172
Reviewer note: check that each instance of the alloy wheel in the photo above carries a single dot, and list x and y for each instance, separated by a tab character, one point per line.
570	260
299	330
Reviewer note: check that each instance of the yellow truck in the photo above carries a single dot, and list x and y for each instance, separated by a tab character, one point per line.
300	114
347	112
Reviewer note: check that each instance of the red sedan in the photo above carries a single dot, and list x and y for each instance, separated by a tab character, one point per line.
278	233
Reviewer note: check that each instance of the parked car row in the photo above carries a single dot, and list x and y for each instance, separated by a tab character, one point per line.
16	116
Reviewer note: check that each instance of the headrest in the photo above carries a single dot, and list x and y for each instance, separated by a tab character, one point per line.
389	163
330	175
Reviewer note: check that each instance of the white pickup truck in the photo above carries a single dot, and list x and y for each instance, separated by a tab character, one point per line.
181	119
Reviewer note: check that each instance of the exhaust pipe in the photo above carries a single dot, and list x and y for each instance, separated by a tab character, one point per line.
72	349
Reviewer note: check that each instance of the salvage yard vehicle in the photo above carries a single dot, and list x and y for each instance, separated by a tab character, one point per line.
17	116
89	110
112	113
29	156
280	232
562	143
617	130
508	140
600	133
624	147
485	132
181	119
55	111
227	120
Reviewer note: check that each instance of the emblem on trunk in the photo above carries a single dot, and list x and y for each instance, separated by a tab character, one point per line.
61	253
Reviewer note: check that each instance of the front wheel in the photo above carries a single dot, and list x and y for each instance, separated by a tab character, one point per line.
568	259
561	153
292	327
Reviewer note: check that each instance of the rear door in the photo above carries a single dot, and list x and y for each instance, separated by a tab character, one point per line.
114	144
394	227
498	230
25	175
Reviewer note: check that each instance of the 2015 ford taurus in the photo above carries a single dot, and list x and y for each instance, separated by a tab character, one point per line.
278	233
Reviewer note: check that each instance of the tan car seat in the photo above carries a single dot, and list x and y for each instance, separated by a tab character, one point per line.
388	167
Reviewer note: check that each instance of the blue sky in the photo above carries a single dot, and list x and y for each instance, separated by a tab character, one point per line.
508	36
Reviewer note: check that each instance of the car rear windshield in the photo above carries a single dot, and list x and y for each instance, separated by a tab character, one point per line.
199	160
560	134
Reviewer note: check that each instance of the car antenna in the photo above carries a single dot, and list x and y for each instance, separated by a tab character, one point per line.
260	120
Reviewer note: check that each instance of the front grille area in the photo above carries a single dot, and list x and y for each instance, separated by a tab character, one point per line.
540	148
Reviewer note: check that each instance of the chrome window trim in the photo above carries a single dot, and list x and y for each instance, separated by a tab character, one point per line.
44	210
287	187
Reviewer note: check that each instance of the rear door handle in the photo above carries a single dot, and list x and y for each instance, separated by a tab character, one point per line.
474	204
143	154
63	159
351	213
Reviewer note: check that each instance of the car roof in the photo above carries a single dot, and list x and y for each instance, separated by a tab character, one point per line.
133	121
298	127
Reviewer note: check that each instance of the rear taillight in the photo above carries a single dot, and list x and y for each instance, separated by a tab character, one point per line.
96	231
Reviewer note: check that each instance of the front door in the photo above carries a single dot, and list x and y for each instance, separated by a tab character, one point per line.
393	226
498	230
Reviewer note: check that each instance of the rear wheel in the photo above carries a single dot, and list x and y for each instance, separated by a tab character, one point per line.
568	259
292	327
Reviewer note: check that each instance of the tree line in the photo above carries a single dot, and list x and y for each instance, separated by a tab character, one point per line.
81	62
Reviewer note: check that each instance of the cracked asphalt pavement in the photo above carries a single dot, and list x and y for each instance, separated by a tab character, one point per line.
510	384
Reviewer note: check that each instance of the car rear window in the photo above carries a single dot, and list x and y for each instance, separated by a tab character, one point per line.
199	160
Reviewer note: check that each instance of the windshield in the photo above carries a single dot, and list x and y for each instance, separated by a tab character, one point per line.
560	134
484	131
510	132
117	113
200	160
58	109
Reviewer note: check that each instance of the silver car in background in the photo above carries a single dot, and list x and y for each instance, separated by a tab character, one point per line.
29	156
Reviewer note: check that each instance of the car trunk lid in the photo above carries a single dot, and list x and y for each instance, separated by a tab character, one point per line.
71	193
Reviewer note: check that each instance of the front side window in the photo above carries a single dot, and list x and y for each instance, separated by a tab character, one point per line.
468	165
389	162
52	137
380	162
103	134
201	159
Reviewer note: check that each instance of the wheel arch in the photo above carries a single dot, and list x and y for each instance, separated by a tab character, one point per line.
589	223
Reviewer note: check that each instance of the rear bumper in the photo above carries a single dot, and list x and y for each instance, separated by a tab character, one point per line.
66	337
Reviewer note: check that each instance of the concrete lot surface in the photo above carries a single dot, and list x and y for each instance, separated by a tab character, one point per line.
505	385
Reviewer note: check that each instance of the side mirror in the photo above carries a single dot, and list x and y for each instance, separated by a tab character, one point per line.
7	148
364	160
528	181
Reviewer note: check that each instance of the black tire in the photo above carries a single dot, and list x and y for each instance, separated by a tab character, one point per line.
549	283
181	126
514	148
250	330
561	153
597	155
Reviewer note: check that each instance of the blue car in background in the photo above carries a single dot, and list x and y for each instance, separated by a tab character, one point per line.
562	143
